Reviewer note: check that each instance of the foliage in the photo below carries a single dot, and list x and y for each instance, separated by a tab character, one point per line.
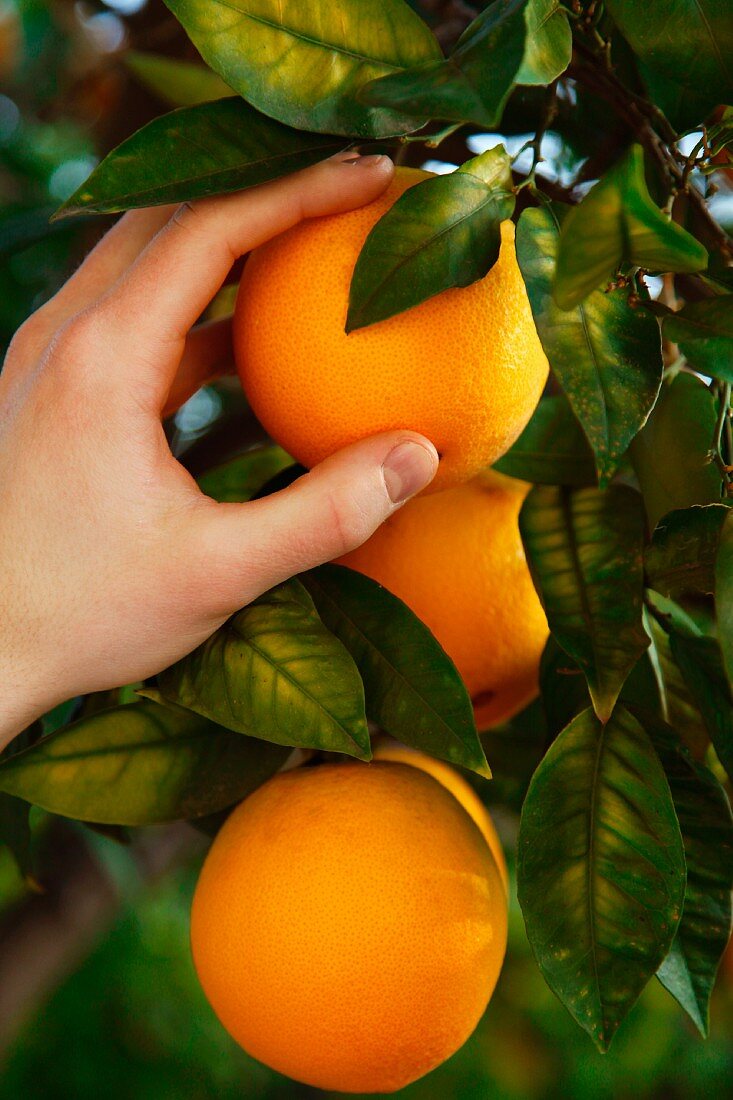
611	151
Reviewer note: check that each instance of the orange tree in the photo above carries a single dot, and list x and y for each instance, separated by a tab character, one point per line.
625	852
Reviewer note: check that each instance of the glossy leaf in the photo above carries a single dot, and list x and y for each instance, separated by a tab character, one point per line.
511	42
678	708
178	83
724	594
584	549
412	688
239	479
139	764
606	355
303	64
700	661
443	232
196	151
671	455
704	332
680	560
274	671
601	870
690	42
617	222
706	824
552	449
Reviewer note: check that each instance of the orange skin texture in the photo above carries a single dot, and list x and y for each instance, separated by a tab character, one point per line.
454	782
456	559
465	368
349	925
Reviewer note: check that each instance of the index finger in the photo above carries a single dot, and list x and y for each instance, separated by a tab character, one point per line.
149	311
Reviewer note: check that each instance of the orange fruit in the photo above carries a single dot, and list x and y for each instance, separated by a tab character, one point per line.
456	559
349	925
449	778
465	368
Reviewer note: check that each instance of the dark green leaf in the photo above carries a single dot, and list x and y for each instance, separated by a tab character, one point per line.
179	83
197	151
552	449
584	548
601	869
678	708
704	332
617	222
606	355
680	560
15	830
274	671
706	824
441	233
240	479
139	764
724	594
700	661
690	42
511	42
671	454
303	64
412	688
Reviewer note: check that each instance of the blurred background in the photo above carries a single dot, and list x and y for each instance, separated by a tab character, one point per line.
97	990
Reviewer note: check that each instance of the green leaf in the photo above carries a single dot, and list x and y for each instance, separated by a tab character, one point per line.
678	708
137	765
304	64
601	869
671	455
706	824
274	671
178	83
15	831
724	594
412	688
700	661
690	42
443	232
617	222
239	479
552	449
606	355
680	560
704	332
584	549
511	42
197	151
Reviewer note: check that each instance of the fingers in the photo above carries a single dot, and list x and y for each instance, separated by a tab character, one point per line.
103	266
208	354
152	307
248	548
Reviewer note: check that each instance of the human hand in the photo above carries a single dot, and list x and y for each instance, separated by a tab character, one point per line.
114	564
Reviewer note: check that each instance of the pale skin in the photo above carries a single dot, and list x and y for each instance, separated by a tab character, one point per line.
113	563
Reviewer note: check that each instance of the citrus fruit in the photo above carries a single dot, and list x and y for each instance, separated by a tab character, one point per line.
349	925
456	559
465	368
449	778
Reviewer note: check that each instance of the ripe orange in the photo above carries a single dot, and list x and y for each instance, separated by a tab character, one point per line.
465	368
455	783
456	559
349	925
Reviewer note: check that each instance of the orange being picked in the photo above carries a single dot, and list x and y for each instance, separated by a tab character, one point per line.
349	925
465	368
456	559
449	778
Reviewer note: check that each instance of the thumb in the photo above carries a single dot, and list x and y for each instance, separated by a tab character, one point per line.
322	515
